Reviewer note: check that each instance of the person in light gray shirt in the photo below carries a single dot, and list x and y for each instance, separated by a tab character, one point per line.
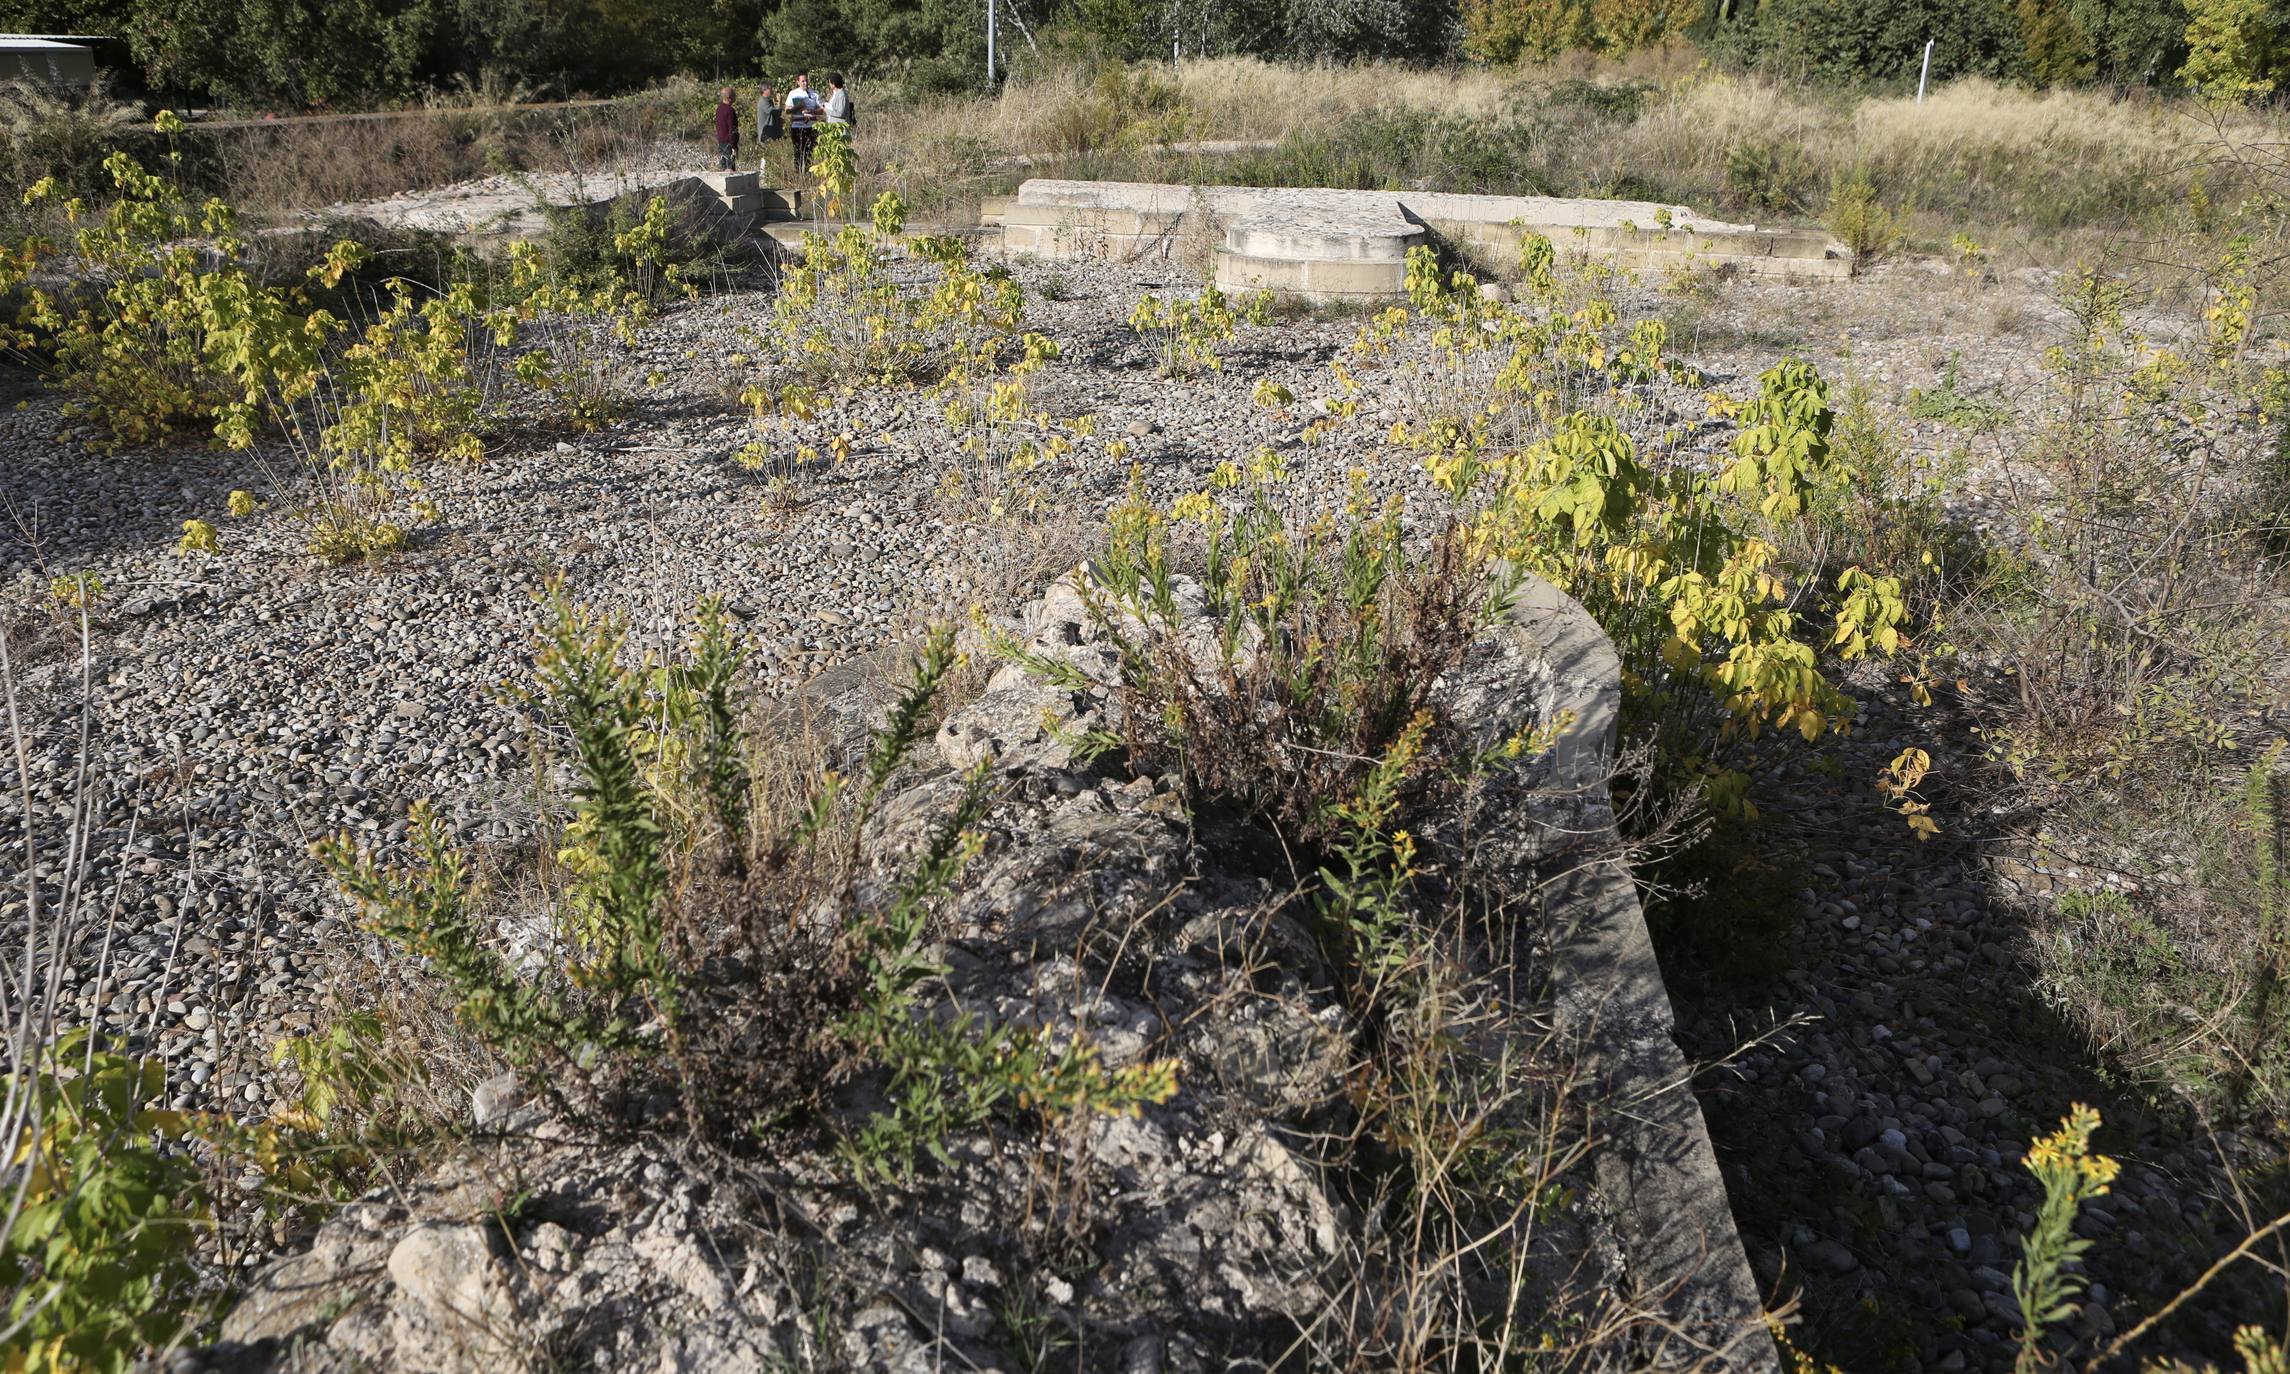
838	108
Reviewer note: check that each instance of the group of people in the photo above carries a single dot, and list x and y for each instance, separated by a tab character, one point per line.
798	119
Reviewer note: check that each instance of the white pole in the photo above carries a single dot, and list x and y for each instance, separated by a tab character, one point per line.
1920	76
989	44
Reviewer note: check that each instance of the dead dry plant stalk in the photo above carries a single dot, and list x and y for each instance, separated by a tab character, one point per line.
37	955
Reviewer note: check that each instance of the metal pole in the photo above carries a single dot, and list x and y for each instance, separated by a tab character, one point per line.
1921	76
989	43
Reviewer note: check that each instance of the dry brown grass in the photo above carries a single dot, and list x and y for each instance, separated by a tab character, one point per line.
2037	176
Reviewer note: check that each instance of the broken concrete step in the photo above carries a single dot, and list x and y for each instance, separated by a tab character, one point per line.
731	184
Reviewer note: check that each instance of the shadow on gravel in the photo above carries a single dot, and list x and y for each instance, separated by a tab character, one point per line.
1873	1152
63	507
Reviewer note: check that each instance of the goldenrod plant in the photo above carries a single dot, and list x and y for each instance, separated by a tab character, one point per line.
2048	1278
616	979
660	779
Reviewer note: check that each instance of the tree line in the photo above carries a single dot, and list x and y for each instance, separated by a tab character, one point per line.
310	53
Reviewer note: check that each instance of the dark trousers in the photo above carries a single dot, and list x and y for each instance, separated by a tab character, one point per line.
804	140
727	155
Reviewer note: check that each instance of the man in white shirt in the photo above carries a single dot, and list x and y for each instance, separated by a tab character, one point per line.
803	112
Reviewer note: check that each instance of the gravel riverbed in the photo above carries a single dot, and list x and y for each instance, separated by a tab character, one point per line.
251	701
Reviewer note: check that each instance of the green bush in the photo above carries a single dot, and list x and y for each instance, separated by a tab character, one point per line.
1768	176
1859	219
96	1263
660	780
180	337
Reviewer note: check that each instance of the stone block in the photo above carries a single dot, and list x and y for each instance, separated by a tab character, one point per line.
732	183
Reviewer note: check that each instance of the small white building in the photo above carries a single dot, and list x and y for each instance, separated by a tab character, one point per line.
54	61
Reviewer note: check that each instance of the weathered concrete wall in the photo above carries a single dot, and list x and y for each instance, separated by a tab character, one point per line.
1656	1162
1331	244
721	206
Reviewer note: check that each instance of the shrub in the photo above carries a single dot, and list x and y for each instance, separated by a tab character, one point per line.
1328	640
844	318
1186	335
1857	218
1768	175
572	316
848	320
1291	687
179	336
626	976
626	253
96	1260
47	131
2100	682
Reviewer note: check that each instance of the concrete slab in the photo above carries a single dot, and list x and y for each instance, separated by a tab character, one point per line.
720	205
1283	239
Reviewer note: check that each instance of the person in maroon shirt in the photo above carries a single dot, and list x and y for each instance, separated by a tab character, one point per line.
727	130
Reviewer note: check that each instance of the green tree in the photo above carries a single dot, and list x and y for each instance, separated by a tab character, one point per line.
2236	49
1880	39
2056	49
1626	25
2141	41
1518	30
934	44
311	52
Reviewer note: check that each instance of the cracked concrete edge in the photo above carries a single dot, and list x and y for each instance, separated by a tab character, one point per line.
1656	1162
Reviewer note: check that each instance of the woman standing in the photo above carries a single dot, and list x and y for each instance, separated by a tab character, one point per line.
727	130
769	126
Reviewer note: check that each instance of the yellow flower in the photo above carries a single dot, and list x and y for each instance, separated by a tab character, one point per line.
1194	506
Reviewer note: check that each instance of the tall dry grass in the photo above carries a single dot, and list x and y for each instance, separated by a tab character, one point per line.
1246	97
2039	175
2034	166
